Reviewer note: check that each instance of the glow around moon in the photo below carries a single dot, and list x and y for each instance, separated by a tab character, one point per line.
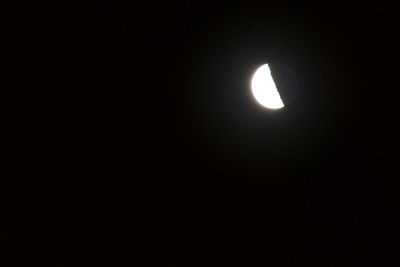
264	89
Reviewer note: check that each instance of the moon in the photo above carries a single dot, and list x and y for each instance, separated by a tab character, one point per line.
264	89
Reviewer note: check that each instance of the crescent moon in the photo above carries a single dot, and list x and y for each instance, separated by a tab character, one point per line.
264	89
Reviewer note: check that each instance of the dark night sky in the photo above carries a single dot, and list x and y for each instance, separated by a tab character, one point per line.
130	127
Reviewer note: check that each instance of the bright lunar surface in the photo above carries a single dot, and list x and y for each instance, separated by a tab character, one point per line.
264	88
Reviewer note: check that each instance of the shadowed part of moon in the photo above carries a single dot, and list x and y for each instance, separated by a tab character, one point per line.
285	80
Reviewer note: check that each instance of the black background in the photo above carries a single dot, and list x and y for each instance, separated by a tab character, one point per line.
130	128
